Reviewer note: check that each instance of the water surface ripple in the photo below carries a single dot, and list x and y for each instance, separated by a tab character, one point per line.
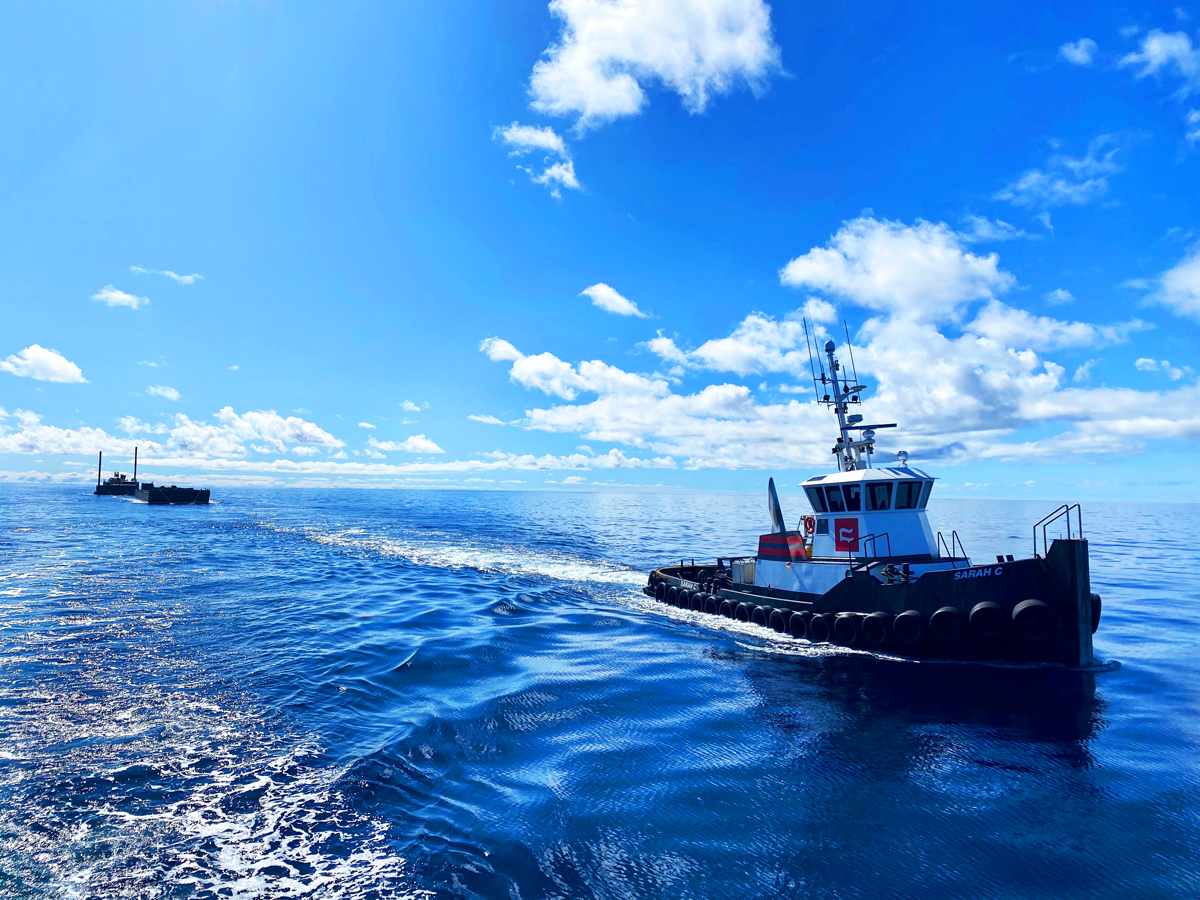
464	694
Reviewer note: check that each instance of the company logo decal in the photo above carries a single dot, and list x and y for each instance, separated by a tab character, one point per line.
845	534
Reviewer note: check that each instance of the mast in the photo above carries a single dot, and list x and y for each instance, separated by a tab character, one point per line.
99	468
135	463
851	453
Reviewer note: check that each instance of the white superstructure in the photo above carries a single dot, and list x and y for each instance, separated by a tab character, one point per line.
858	513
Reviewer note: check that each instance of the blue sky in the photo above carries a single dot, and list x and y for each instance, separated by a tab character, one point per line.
521	245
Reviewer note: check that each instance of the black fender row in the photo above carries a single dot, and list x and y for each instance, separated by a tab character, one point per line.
1030	620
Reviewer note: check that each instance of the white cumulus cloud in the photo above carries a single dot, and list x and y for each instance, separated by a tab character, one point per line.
918	270
365	425
610	50
110	296
162	390
606	298
557	167
1018	328
522	139
498	350
961	391
42	364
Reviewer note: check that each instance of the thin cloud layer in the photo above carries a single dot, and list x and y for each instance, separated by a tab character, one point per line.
1161	53
1067	180
418	443
167	273
1178	288
110	296
1080	53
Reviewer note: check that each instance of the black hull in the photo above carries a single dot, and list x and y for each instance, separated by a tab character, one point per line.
943	617
116	490
173	496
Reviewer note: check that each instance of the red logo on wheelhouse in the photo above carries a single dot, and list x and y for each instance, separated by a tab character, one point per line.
845	535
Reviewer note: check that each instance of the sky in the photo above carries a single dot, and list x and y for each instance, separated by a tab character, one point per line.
569	246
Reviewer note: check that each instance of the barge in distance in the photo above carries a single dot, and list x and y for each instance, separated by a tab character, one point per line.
156	495
118	485
864	569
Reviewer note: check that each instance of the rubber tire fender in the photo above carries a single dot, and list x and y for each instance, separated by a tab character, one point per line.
683	600
798	625
876	627
947	624
988	620
660	592
1034	620
712	605
846	629
909	626
779	620
743	612
820	629
1096	610
698	600
761	615
672	596
728	609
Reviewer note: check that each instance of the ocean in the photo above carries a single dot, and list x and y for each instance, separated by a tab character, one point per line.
330	694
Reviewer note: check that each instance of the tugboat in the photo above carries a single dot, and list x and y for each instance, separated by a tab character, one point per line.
864	568
119	485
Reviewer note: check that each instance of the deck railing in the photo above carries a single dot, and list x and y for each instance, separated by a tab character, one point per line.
1048	520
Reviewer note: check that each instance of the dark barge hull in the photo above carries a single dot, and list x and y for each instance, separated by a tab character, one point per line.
116	490
172	496
977	613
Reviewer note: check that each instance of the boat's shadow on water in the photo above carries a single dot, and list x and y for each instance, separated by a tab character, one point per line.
877	699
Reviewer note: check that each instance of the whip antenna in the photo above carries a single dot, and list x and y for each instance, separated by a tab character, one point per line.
807	343
850	346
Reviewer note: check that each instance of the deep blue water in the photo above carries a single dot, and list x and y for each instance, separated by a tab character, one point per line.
464	694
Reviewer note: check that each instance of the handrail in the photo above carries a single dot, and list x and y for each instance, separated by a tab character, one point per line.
873	539
955	541
1048	520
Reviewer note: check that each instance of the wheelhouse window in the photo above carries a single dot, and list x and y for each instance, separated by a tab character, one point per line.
925	495
908	494
817	498
836	503
879	495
